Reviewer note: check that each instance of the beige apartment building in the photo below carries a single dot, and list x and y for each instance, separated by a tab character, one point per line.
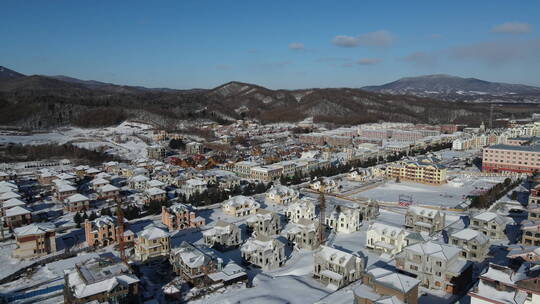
178	217
152	242
34	240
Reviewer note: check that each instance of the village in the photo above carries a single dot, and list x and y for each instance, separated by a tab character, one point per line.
276	213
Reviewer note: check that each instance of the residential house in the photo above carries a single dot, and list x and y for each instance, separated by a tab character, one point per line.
194	263
534	196
10	203
381	285
474	244
281	195
490	224
503	284
304	234
155	195
64	190
34	240
240	206
263	251
152	242
100	280
437	266
325	185
336	268
104	231
193	186
530	235
138	182
179	216
302	208
76	202
386	238
344	218
420	219
97	183
223	236
17	216
264	222
109	192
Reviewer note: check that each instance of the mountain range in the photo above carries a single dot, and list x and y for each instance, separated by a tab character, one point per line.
453	88
39	101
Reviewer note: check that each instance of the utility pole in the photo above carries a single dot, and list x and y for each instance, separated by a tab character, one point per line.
322	209
491	116
120	236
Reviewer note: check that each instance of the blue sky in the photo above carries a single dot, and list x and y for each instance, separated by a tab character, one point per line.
277	44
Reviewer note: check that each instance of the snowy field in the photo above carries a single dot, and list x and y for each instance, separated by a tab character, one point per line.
448	195
119	140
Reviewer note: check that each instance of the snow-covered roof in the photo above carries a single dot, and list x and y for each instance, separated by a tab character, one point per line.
442	251
261	243
94	278
99	181
282	191
108	188
490	216
421	211
17	210
386	229
470	234
9	195
155	183
221	228
155	191
192	256
240	200
34	228
103	220
12	203
152	233
194	182
75	198
335	256
139	178
394	280
64	187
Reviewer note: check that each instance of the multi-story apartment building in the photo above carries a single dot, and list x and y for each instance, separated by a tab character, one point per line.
266	173
100	280
302	208
344	219
194	186
240	206
223	236
474	244
304	234
194	263
417	171
34	240
336	268
243	168
104	231
282	195
503	285
386	238
510	158
156	152
152	242
420	219
530	233
179	216
265	252
264	222
381	285
490	224
437	266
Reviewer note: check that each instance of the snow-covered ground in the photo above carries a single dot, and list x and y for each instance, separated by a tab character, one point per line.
119	140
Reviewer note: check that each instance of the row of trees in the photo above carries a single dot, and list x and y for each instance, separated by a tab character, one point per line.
486	199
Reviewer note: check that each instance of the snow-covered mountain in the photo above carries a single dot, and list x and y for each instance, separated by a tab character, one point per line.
6	73
453	88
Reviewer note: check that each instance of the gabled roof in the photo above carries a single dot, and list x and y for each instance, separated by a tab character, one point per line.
17	210
394	280
33	229
75	198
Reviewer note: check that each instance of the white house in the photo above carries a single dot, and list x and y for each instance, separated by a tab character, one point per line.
386	238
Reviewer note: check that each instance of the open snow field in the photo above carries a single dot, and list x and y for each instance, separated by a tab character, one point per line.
447	195
119	140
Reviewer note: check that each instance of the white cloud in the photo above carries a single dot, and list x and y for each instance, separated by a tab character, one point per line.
381	38
345	41
421	59
297	46
512	28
